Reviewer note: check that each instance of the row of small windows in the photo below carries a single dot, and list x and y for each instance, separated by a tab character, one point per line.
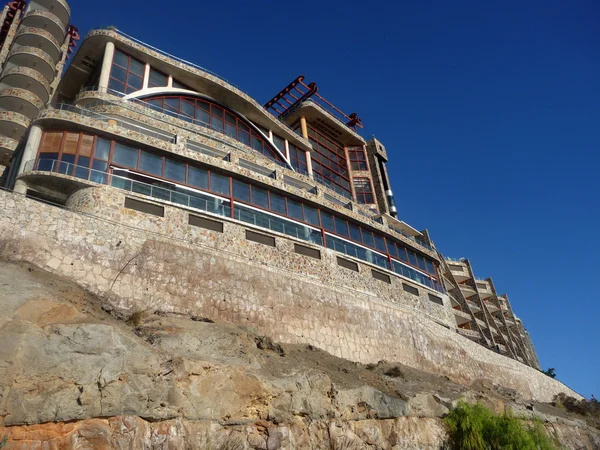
83	152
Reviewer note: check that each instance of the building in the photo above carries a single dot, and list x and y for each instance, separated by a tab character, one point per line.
157	131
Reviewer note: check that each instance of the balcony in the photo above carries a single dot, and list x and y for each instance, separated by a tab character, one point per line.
471	334
39	38
453	301
21	101
27	79
459	272
491	306
494	331
484	289
505	337
461	317
474	307
481	323
502	348
45	20
34	58
467	290
509	321
7	147
59	8
13	125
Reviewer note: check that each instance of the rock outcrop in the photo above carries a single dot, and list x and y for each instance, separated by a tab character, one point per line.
73	376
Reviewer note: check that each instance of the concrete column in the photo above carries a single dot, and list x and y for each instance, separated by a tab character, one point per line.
304	127
29	154
109	53
146	76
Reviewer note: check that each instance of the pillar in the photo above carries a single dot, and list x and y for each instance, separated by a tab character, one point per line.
29	154
304	128
109	53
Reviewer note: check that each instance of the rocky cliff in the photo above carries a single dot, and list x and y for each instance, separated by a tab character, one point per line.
73	376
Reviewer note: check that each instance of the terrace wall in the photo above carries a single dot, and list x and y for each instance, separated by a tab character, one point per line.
140	262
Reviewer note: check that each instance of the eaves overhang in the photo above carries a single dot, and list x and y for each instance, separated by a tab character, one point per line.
316	114
90	55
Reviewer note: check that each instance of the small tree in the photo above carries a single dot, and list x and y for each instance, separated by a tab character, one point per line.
550	372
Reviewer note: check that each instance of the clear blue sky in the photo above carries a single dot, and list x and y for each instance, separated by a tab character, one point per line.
490	112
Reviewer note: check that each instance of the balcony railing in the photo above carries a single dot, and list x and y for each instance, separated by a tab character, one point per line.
468	333
464	315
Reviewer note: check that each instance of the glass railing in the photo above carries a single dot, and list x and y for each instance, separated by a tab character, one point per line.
347	248
170	192
277	224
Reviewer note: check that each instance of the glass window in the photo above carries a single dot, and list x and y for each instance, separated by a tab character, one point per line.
341	226
295	209
260	197
364	191
327	221
358	159
277	203
355	233
125	155
380	243
157	79
402	253
421	263
151	163
121	59
175	170
202	116
279	143
430	268
311	215
219	184
392	249
136	67
241	191
412	258
198	177
368	238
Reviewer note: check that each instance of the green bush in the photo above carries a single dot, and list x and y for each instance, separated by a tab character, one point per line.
474	427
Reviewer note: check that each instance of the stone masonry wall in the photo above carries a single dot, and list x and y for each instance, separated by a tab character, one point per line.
165	264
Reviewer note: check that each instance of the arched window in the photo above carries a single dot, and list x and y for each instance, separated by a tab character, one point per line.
211	115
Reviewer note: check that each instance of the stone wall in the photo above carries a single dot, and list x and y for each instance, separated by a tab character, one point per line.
139	262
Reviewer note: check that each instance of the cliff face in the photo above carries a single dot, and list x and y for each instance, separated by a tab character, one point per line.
73	376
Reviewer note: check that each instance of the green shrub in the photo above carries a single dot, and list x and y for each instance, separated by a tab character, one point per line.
474	427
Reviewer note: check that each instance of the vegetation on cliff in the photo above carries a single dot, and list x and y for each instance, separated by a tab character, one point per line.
475	427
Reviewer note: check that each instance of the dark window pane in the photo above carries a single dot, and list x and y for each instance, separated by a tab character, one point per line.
412	258
368	238
202	116
102	149
216	123
241	191
219	184
230	130
157	78
256	143
125	155
327	221
136	67
402	253
187	108
341	227
230	118
244	137
217	112
277	203
311	215
295	209
121	59
279	143
392	249
175	170
421	263
430	267
380	243
116	86
355	233
172	103
118	74
198	177
151	163
260	197
135	82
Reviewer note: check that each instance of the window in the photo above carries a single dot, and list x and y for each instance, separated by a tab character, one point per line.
127	73
436	299
364	191
328	162
307	251
157	79
203	222
207	114
381	276
298	159
358	159
410	289
145	207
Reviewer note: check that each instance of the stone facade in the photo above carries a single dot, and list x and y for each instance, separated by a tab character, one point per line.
138	262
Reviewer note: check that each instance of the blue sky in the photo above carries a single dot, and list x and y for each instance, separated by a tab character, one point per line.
490	114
